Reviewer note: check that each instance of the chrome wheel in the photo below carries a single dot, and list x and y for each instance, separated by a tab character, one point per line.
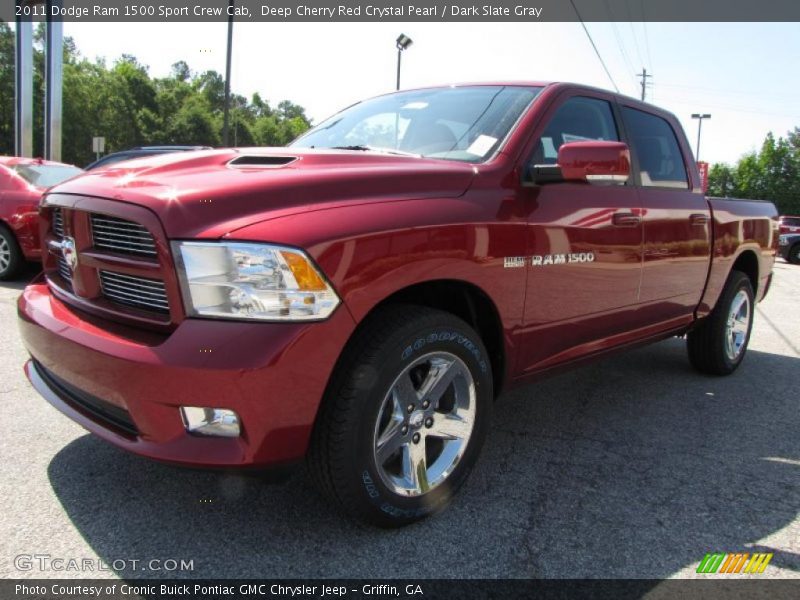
5	254
738	325
424	424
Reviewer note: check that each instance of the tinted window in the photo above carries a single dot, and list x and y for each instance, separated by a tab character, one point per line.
790	222
455	123
656	147
578	119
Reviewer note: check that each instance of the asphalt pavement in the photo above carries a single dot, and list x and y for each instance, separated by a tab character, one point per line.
634	466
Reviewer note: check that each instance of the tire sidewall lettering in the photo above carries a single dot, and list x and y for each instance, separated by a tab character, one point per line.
445	336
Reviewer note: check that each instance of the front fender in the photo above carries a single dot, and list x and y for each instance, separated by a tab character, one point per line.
370	252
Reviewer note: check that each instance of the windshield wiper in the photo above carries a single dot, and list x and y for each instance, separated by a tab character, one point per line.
366	148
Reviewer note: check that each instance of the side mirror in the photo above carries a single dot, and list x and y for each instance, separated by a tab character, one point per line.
607	162
592	162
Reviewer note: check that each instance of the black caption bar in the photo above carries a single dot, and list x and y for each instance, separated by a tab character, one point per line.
391	589
389	10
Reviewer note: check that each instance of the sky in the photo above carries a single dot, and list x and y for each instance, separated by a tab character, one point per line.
744	74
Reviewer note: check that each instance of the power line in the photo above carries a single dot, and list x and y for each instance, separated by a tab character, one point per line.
596	51
635	39
646	36
741	109
620	43
712	90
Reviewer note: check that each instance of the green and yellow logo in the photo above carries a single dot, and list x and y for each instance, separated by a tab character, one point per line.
741	562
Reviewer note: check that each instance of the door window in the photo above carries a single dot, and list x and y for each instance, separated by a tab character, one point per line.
656	148
578	119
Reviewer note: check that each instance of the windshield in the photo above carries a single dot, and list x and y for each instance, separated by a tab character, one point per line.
46	176
455	123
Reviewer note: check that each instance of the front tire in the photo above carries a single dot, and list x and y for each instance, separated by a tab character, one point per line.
11	259
404	417
718	345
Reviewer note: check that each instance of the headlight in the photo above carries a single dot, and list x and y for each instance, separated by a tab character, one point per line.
251	281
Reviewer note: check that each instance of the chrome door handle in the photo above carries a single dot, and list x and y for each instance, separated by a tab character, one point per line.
698	219
626	219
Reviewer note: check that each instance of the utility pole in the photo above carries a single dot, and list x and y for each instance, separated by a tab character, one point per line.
699	118
644	83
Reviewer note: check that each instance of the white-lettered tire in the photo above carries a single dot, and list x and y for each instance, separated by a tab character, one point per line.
717	346
404	416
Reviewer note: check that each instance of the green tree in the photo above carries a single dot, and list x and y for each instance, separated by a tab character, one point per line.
721	181
130	108
193	124
6	89
772	173
267	131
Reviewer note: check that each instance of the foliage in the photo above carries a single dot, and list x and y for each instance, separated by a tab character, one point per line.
127	106
773	173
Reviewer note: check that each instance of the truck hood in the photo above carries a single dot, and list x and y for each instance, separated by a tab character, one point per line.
209	194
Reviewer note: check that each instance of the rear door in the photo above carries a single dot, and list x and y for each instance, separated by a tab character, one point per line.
676	219
584	242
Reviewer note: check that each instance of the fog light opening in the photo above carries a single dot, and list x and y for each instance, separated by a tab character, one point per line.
217	422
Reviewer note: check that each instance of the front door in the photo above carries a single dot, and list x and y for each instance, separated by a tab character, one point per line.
584	248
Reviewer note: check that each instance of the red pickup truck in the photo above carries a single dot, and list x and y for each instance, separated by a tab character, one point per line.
359	298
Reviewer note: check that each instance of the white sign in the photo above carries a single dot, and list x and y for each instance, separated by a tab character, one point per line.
98	145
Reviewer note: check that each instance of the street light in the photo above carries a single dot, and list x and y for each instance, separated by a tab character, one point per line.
403	42
699	118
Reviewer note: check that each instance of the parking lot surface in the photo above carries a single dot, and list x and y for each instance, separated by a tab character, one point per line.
634	466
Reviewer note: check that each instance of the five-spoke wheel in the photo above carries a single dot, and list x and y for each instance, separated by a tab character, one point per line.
425	423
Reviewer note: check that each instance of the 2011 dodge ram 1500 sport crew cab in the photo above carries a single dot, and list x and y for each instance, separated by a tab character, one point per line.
359	298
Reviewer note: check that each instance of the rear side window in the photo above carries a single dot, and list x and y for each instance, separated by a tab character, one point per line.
656	148
577	120
46	176
791	222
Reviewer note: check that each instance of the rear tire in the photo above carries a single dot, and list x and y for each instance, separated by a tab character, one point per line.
404	416
794	254
11	259
717	346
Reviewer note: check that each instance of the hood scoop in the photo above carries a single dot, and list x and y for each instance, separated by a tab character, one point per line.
261	161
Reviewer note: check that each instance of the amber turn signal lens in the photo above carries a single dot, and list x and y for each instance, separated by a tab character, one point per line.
307	278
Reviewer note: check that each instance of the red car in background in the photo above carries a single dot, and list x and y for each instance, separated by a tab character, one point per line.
789	224
22	182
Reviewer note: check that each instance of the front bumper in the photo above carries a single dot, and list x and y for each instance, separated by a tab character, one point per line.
126	386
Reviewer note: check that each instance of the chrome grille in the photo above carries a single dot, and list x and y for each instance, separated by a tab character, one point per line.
58	222
64	270
148	294
119	235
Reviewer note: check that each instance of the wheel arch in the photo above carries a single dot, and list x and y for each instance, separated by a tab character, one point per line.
747	263
469	303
